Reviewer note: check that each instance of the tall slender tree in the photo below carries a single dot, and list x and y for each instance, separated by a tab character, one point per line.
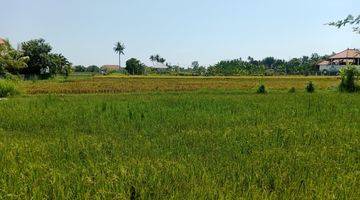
119	49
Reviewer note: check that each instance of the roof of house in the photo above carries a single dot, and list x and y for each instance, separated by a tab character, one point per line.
2	41
159	66
348	53
324	62
110	67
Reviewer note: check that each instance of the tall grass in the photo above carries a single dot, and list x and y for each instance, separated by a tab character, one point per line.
7	88
190	145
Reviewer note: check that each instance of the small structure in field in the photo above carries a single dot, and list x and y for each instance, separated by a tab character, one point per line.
334	63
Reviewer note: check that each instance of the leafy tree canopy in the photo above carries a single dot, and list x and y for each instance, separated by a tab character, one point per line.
42	61
38	52
134	67
93	68
11	60
157	58
79	68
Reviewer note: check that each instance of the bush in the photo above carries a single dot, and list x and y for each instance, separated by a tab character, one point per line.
349	75
310	87
12	77
7	89
292	90
261	89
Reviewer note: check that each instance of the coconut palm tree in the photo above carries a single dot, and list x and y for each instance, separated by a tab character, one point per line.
119	49
153	59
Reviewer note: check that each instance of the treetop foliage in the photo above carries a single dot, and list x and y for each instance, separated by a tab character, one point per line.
349	20
135	67
11	60
119	48
157	58
41	61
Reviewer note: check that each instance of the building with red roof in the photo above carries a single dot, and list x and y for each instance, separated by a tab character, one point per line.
335	62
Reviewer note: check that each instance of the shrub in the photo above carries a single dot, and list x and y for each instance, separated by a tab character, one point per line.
292	90
261	89
12	77
310	87
7	89
348	75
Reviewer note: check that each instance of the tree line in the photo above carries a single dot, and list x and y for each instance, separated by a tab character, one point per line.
304	65
32	58
35	58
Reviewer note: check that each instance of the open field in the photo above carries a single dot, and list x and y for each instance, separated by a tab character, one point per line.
118	84
222	141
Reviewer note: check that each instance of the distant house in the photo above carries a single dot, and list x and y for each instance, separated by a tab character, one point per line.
2	41
334	63
105	69
160	67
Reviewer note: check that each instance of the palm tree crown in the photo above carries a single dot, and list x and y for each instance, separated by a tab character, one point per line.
119	48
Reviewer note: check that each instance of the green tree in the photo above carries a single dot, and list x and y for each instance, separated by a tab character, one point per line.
59	64
134	67
162	60
79	68
157	58
354	21
153	59
38	52
349	75
11	60
195	64
119	49
93	69
268	62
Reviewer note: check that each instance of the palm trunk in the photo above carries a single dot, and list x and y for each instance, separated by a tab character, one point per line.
119	61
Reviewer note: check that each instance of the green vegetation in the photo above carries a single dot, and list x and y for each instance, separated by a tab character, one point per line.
349	75
157	58
7	89
11	60
36	59
135	67
185	145
261	89
42	62
310	87
292	90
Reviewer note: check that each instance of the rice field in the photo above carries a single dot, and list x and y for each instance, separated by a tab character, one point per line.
121	84
179	138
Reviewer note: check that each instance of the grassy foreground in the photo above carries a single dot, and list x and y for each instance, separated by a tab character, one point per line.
181	145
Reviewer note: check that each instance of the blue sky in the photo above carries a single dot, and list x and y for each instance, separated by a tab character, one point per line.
180	30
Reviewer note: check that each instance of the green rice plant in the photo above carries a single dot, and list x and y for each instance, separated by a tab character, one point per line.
180	145
261	89
310	87
7	89
292	90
